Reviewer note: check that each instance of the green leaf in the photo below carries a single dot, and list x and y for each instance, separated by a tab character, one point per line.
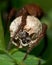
31	60
1	35
5	60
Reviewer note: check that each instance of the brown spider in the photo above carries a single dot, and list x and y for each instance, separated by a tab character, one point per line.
28	10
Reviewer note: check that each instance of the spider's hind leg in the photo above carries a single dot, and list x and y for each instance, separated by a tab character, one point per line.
35	43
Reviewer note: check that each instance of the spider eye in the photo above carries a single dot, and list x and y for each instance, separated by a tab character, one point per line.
33	36
24	36
24	41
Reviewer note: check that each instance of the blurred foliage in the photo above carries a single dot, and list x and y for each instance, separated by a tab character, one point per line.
15	56
1	35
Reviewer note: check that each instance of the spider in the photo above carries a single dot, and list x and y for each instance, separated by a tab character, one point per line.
24	36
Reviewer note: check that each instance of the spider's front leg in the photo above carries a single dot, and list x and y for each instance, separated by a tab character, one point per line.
11	14
24	15
9	17
35	43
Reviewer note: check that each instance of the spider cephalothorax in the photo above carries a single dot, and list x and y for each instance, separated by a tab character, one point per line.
26	30
30	31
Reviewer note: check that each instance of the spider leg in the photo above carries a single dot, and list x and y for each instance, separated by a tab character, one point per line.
22	24
44	28
11	13
9	17
9	44
28	51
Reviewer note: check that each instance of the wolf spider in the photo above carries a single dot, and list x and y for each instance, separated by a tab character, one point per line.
31	9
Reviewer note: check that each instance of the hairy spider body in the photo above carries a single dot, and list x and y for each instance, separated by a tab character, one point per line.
25	28
32	28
